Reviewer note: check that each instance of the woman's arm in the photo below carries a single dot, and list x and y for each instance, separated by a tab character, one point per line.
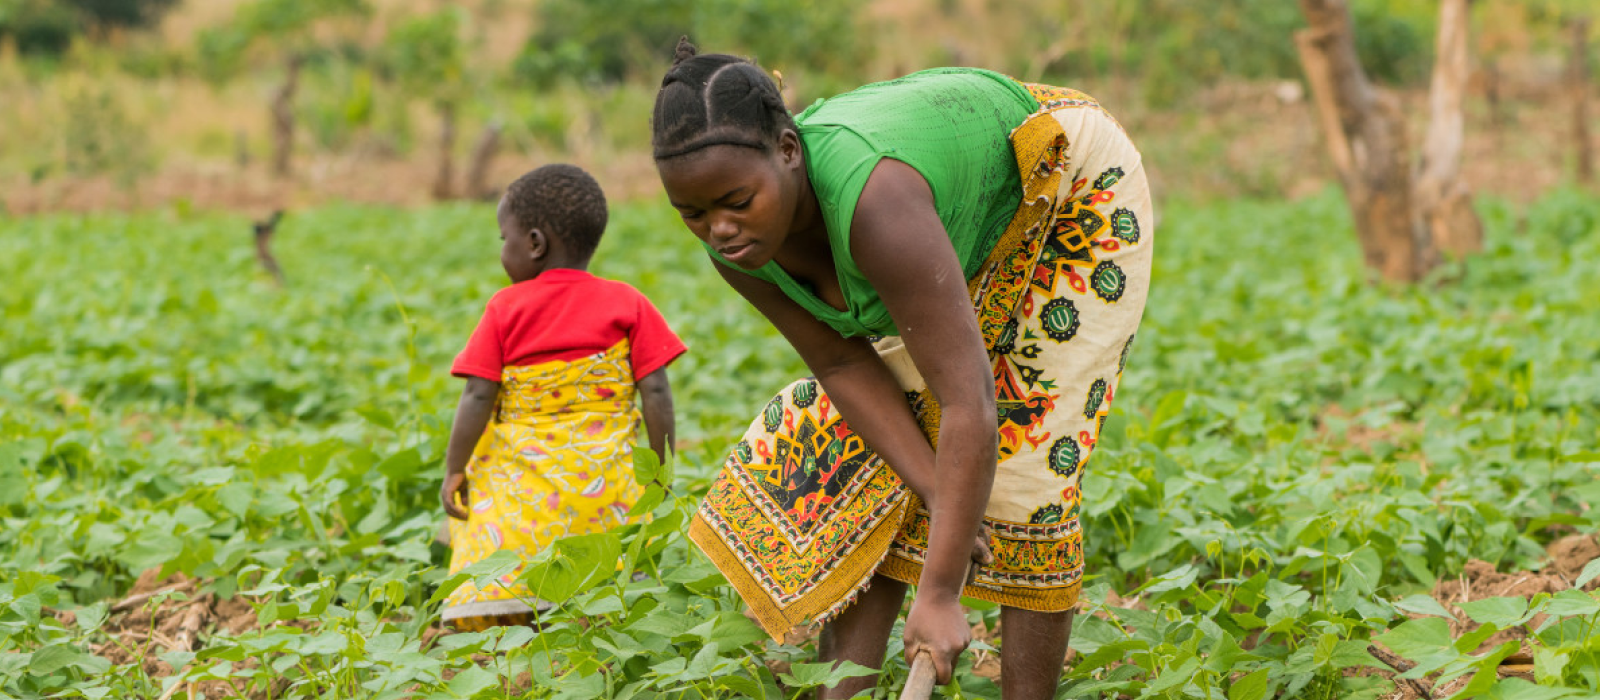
901	246
660	423
855	379
472	416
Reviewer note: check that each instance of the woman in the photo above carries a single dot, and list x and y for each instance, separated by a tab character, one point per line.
894	211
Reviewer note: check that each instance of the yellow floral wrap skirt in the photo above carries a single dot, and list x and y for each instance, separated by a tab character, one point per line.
803	512
556	460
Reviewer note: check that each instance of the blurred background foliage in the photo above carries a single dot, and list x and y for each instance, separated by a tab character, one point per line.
575	79
47	27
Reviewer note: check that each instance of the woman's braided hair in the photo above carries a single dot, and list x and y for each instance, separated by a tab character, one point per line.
715	100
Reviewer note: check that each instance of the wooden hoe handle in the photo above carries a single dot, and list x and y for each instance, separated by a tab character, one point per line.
919	685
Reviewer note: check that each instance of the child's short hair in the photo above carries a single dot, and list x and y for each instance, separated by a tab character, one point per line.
561	200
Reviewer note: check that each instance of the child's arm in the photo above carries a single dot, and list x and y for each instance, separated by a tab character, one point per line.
472	417
660	425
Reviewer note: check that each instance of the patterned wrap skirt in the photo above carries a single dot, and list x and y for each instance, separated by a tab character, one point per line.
556	460
804	513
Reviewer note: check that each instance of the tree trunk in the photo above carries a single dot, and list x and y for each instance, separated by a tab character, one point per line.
283	117
483	152
447	144
263	237
241	149
1366	135
1491	92
1444	204
1578	87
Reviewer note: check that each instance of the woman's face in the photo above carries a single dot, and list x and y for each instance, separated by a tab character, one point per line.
738	200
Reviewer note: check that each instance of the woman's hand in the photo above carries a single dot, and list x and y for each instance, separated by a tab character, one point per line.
455	485
939	627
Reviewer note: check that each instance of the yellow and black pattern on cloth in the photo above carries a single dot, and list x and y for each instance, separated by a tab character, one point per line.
803	513
556	460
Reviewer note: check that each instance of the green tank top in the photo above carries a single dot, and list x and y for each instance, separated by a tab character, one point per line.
953	126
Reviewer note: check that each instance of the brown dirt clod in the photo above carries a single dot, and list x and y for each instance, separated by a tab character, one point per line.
1570	554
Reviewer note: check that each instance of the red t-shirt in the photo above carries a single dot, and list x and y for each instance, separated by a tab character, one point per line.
565	314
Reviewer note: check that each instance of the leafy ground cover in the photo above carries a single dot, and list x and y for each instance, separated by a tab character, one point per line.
1310	487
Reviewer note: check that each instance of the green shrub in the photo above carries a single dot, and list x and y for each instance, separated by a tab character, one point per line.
48	26
1393	48
38	27
601	40
611	40
425	55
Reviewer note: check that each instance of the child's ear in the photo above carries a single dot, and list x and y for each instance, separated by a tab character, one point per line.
538	243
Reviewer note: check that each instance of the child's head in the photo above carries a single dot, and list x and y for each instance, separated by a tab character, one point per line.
549	218
728	154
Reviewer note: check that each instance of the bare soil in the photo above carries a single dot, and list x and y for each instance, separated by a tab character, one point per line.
1480	580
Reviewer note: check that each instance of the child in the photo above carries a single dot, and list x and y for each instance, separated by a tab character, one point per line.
543	437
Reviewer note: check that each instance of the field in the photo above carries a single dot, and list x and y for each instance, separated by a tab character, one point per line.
213	486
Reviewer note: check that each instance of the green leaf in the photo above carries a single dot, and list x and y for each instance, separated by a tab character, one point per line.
1174	677
149	550
742	686
1501	612
1470	641
1572	603
574	686
1487	672
571	564
1224	654
402	465
702	664
663	622
1181	577
1251	687
1351	653
54	658
482	573
671	667
1418	568
12	663
646	466
1518	689
652	497
1549	665
513	638
471	681
377	518
103	538
377	416
734	630
1423	605
1415	638
236	498
91	617
1116	651
1589	573
811	675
